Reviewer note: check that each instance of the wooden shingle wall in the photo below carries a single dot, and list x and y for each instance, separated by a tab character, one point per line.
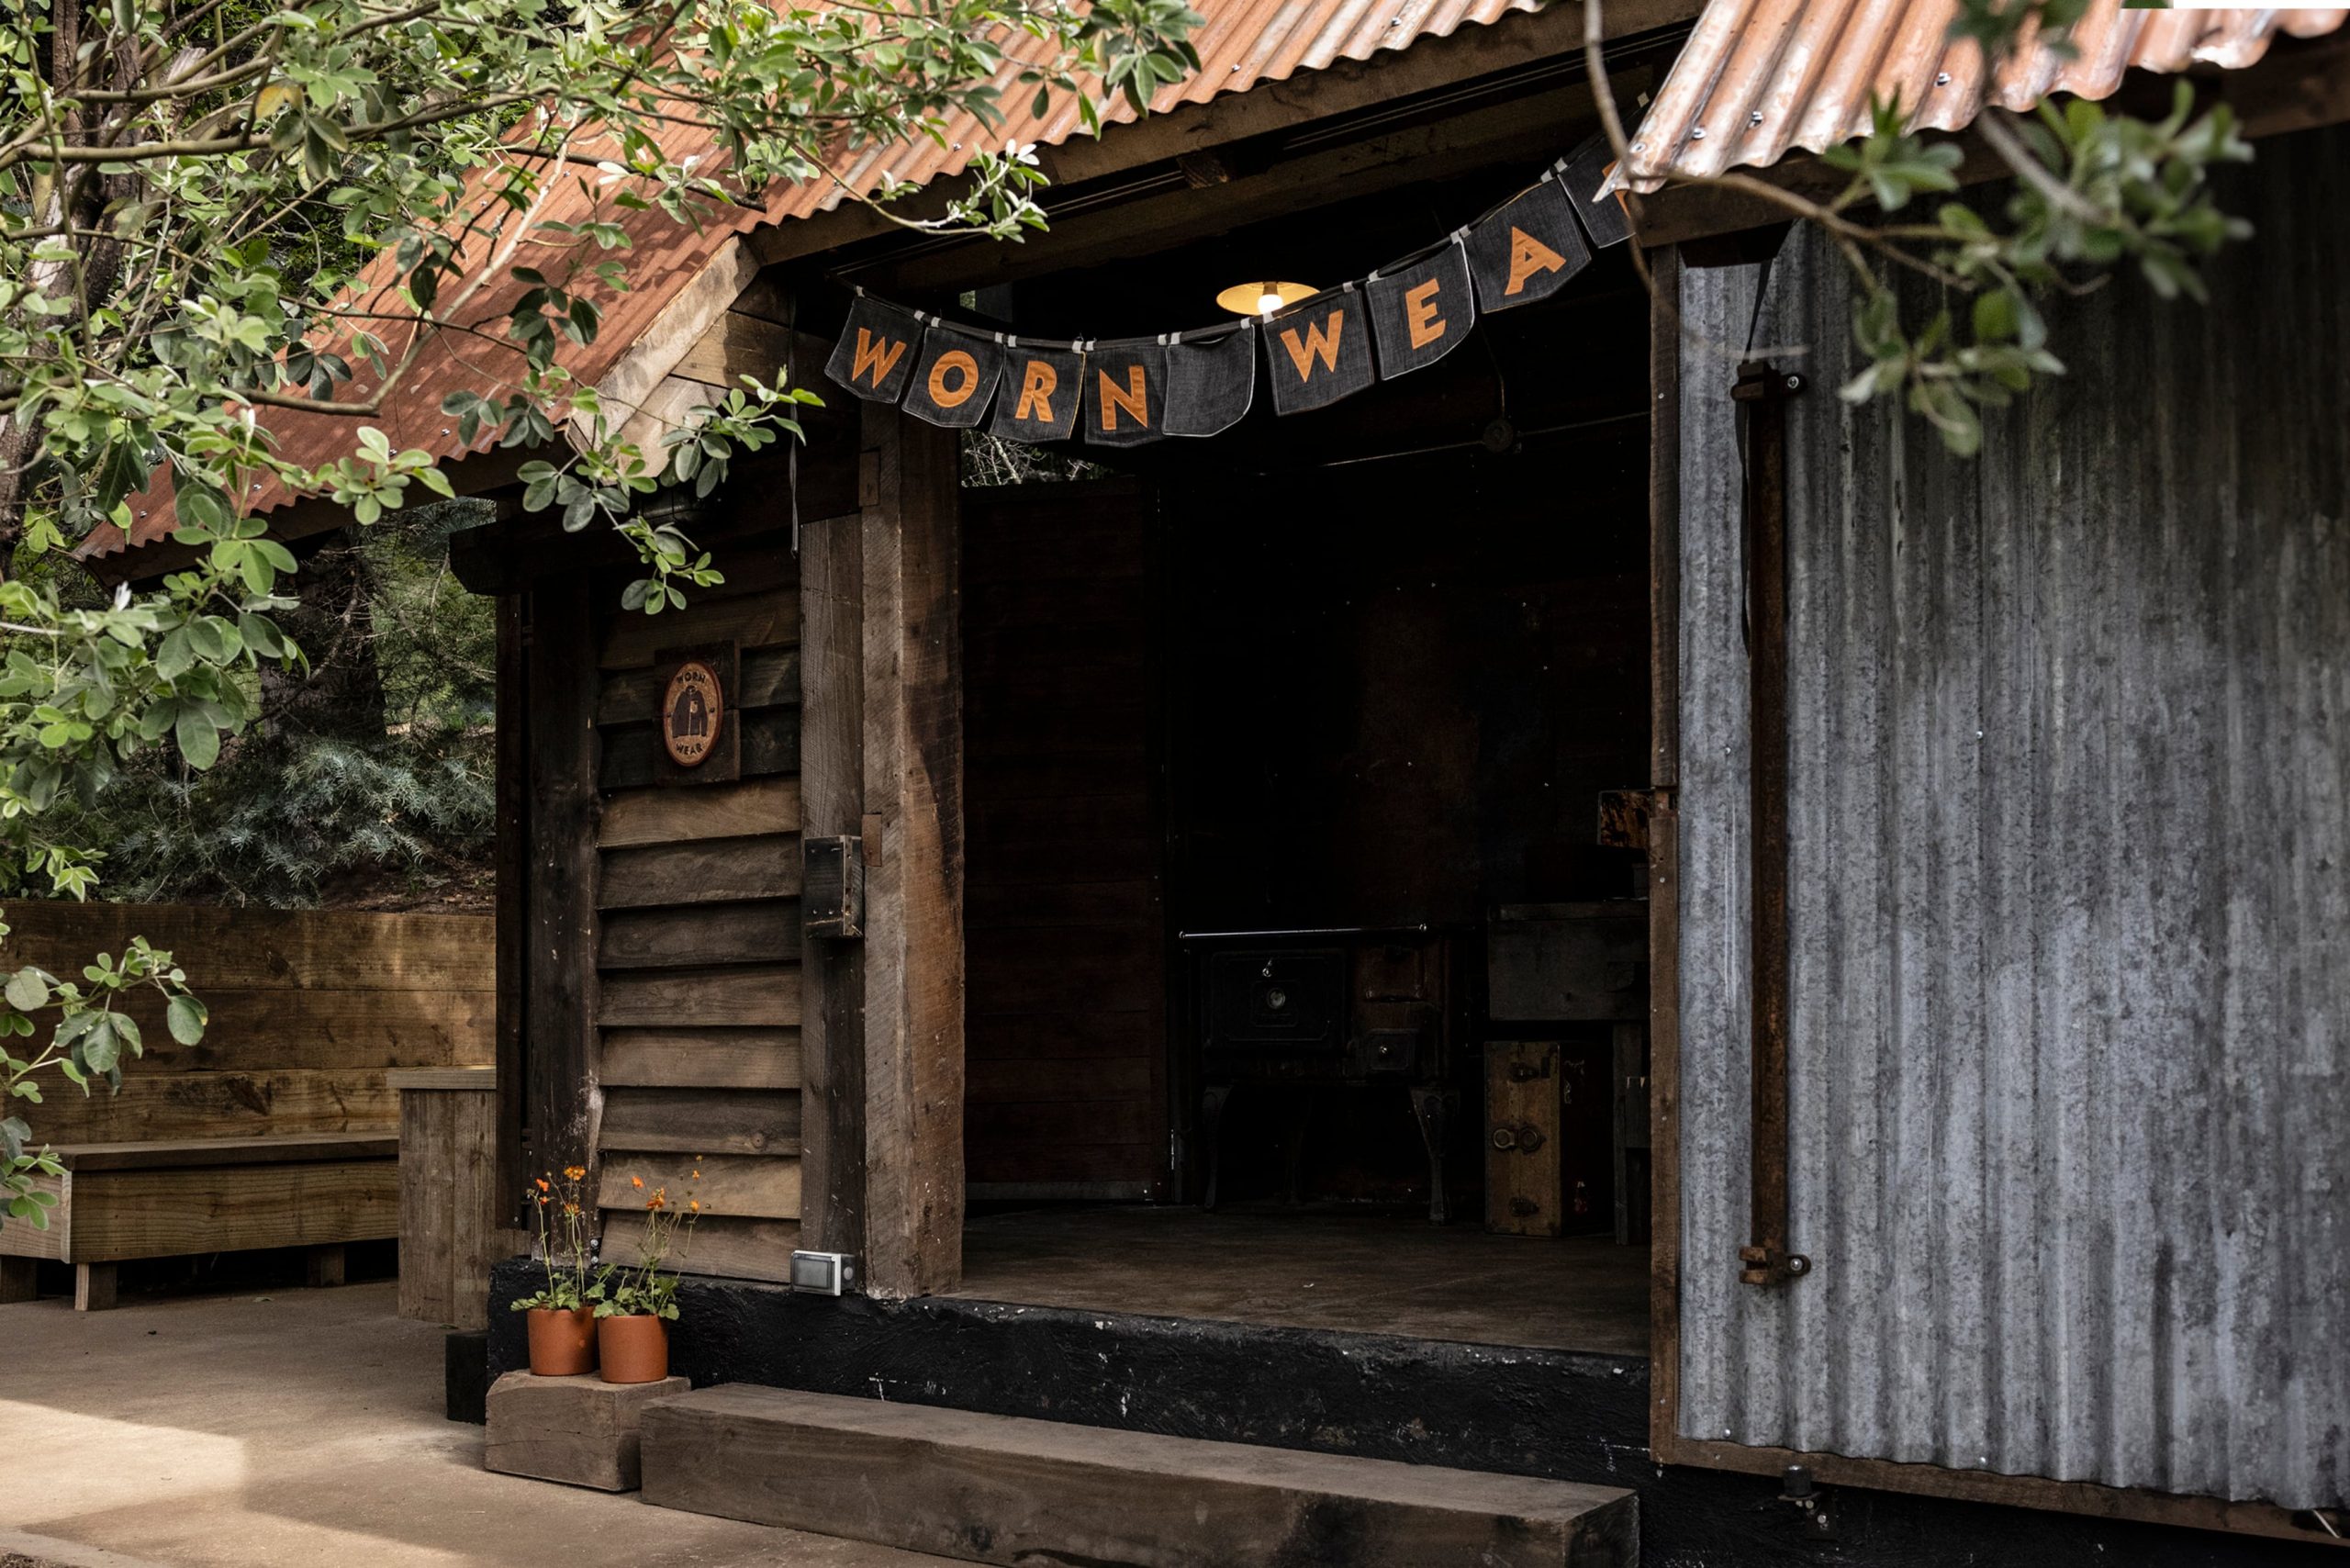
698	941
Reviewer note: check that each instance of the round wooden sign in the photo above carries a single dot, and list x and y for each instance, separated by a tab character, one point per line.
692	711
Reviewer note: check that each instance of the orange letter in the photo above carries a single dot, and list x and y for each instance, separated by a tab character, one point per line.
967	373
1527	256
1419	314
1037	384
1315	346
869	353
1130	398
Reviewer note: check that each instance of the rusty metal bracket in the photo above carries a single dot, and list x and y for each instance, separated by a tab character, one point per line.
1763	391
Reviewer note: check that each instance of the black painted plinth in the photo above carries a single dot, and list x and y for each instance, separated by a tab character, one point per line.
1525	1412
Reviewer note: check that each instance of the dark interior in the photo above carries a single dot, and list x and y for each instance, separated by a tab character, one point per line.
1283	749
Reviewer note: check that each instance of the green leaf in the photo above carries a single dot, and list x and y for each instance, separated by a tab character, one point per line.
27	989
198	737
186	1017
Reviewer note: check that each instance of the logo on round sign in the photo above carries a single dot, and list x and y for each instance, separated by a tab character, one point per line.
691	711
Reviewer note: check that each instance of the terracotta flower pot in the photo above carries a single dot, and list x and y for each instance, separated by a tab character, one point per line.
633	1350
563	1344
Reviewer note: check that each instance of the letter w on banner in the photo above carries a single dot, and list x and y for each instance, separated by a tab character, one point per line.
1319	351
1527	249
953	378
875	358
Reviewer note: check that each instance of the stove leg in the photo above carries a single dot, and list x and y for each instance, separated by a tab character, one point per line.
1433	1108
1301	1129
1212	1100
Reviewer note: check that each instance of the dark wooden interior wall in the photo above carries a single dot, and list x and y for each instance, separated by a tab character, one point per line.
1067	1037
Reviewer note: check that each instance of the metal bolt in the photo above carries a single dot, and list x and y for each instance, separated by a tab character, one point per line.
1697	133
1794	383
1637	146
1942	79
1755	117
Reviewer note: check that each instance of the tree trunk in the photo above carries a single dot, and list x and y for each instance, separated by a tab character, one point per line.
342	697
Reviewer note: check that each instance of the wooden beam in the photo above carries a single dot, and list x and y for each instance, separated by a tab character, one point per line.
560	992
1431	65
832	793
1528	129
645	364
914	848
1664	831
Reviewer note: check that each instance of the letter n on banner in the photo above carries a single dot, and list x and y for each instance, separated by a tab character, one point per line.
1527	250
1319	352
1424	309
875	357
1038	393
953	378
1126	392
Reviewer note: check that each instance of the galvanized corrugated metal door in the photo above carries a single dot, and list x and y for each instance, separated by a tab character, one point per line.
2069	896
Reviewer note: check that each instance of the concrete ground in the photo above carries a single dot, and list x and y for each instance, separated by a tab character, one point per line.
300	1428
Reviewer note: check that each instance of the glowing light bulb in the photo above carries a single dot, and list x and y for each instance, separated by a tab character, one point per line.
1269	302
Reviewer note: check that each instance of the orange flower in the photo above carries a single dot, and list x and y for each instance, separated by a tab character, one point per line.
694	1204
637	1183
697	1176
571	1208
543	1184
575	1172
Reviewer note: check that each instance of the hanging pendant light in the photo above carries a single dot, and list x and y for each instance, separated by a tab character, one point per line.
1264	298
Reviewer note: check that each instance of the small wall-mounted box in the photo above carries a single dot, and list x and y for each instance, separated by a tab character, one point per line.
832	887
823	1273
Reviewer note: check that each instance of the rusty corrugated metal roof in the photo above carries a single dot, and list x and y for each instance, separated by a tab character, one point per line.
1760	77
1242	44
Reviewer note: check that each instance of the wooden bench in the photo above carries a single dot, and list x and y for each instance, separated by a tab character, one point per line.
117	1201
280	1128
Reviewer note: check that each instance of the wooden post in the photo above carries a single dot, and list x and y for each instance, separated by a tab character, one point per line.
913	848
324	1266
559	1001
514	897
832	803
94	1287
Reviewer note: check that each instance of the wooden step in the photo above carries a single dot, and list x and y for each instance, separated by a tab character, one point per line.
1009	1490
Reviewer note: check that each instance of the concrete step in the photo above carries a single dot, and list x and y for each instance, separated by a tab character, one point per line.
1024	1493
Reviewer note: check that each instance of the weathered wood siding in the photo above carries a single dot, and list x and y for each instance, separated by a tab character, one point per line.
308	1011
696	932
2070	898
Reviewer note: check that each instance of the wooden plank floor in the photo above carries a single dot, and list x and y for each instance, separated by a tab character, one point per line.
1365	1273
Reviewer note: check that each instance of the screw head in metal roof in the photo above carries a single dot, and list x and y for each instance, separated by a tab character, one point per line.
1697	133
1639	147
1755	117
1942	78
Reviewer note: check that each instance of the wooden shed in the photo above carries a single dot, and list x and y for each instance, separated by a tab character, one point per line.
1411	931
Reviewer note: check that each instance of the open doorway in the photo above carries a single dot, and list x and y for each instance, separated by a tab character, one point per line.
1304	986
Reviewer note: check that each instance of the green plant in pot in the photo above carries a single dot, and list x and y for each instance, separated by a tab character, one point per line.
636	1302
560	1319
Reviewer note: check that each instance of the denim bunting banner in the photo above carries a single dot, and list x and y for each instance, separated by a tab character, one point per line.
953	378
875	357
1423	310
1319	351
1126	392
1211	383
1603	218
1527	249
1038	393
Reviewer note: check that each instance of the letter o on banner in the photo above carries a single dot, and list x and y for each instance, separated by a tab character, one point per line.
953	379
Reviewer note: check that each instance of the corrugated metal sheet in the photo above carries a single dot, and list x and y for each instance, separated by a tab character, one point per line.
1760	77
2070	780
1242	44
